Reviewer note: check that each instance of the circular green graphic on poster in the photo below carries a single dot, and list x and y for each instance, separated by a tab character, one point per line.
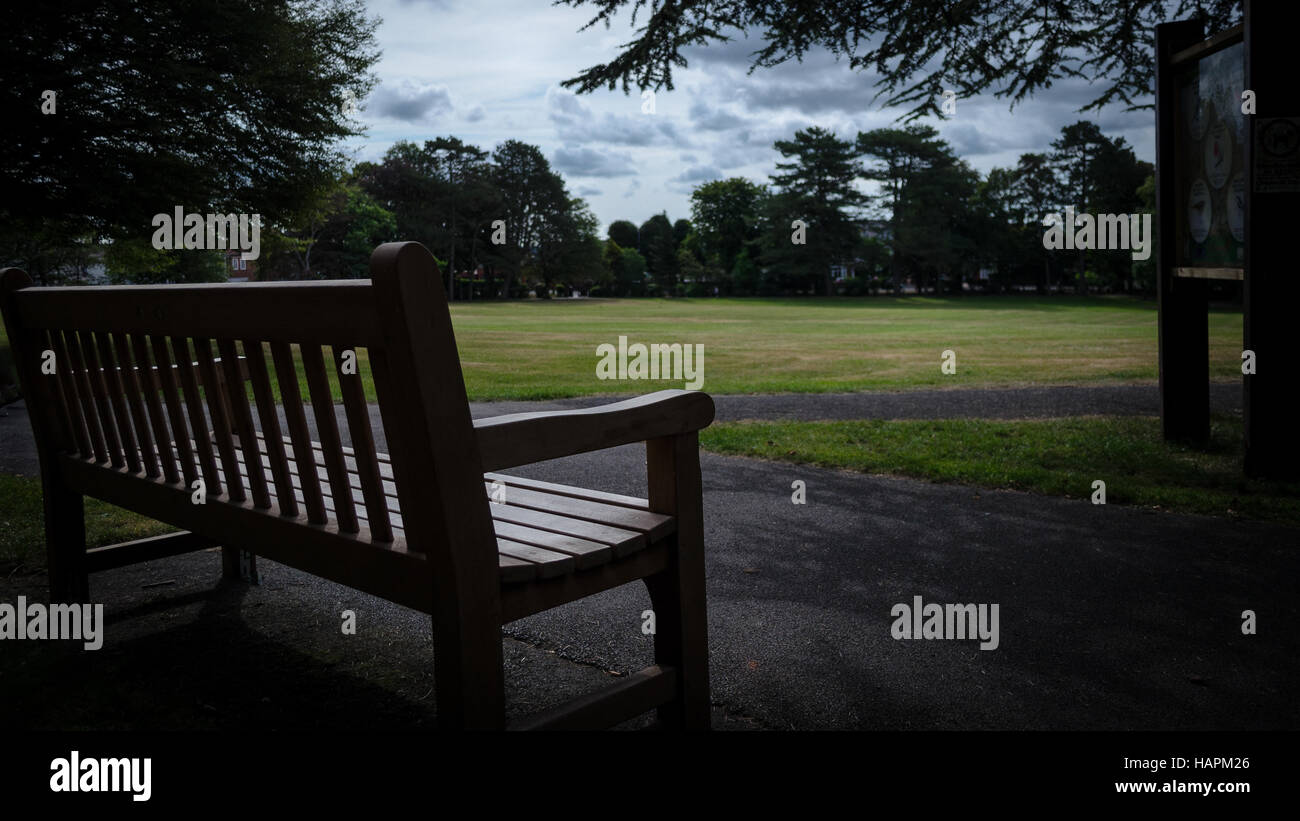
1237	208
1218	154
1199	211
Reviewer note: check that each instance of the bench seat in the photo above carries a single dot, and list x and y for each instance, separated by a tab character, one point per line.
543	529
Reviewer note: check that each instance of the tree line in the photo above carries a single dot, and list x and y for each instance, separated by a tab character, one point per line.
934	222
502	223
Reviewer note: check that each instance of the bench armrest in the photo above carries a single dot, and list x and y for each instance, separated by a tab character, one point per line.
524	438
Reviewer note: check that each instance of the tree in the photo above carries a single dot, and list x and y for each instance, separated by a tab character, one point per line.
134	261
660	252
1036	193
403	182
568	249
940	224
681	230
631	273
745	274
234	108
1015	47
894	157
1144	271
351	237
527	186
815	185
1073	155
461	176
624	233
726	215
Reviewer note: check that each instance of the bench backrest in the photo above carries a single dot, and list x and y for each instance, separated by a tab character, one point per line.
140	386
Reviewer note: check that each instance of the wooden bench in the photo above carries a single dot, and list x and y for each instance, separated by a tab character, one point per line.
140	408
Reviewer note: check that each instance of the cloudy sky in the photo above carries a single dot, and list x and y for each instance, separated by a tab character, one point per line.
490	70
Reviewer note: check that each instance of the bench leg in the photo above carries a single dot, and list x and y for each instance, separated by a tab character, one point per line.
677	593
65	544
682	641
239	565
469	674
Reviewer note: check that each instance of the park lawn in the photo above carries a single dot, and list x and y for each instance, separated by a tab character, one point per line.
22	523
545	349
1058	457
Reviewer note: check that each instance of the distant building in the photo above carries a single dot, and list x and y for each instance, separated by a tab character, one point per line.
239	269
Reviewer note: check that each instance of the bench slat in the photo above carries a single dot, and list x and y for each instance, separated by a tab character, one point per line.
202	445
217	412
175	415
586	554
88	411
135	398
320	311
242	416
71	401
117	398
622	541
322	404
291	398
363	443
569	490
161	436
98	390
549	564
654	525
278	462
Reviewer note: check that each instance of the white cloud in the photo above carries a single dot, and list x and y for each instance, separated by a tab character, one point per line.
487	73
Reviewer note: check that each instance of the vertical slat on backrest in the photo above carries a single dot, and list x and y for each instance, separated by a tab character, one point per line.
212	389
85	395
130	376
70	353
243	420
322	405
167	380
194	406
363	446
99	390
149	384
291	399
68	401
117	396
257	374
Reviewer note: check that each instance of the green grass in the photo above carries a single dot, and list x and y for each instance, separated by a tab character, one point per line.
1060	457
544	349
22	523
541	349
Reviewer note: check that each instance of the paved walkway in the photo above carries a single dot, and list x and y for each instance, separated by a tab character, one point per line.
1110	617
18	453
987	403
